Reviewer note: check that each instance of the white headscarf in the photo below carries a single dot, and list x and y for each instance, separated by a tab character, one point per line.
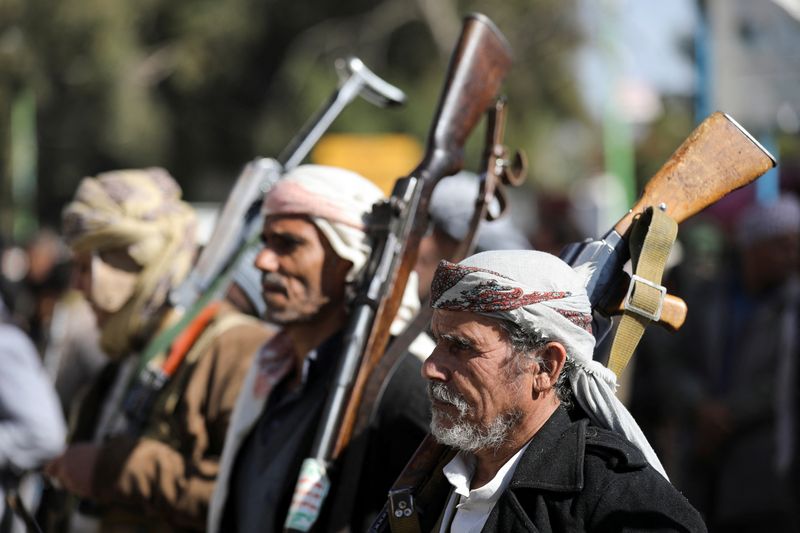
545	296
139	210
339	203
337	200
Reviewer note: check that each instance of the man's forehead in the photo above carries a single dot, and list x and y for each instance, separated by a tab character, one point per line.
462	323
288	224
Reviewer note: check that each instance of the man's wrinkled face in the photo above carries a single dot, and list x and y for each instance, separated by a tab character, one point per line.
477	393
107	280
302	275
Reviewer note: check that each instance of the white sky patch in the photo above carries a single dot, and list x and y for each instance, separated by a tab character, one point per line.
639	40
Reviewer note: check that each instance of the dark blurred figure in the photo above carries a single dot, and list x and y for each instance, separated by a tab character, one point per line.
451	207
46	281
665	407
555	223
738	424
728	411
32	429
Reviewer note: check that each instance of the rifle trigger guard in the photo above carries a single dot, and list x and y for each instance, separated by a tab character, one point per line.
514	171
629	305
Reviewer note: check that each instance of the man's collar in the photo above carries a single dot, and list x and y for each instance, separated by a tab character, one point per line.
554	458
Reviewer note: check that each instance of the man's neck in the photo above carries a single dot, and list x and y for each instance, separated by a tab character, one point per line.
489	462
305	336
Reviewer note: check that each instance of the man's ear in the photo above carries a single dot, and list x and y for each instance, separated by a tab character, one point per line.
553	354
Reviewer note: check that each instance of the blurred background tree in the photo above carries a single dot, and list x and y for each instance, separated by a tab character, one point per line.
200	87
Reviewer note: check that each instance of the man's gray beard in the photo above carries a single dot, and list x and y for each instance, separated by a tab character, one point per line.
462	434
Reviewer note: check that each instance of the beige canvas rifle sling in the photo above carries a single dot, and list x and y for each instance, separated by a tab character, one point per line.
651	240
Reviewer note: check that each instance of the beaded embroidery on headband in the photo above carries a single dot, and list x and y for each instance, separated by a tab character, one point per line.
486	296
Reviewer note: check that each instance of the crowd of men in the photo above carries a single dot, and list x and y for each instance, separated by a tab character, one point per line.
507	378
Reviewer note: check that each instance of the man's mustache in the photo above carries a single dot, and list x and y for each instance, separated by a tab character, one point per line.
441	392
273	279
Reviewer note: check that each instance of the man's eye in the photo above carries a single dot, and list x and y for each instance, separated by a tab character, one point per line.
459	347
279	243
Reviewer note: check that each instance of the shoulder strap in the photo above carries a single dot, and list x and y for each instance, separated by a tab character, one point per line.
187	338
651	240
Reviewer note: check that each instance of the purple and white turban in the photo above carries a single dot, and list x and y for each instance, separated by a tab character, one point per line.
546	297
339	202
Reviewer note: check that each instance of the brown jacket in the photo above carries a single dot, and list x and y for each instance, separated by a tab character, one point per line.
163	481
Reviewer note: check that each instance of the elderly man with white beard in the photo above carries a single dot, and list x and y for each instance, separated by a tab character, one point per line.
543	443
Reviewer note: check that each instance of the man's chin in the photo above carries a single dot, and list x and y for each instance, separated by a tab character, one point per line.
443	422
277	317
285	317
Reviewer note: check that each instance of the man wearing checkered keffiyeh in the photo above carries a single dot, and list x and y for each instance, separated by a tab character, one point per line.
539	431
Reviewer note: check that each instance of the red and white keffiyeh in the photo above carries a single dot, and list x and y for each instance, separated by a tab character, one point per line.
545	296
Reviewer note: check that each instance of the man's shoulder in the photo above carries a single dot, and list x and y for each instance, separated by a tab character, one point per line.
231	321
612	450
621	483
232	331
612	489
14	341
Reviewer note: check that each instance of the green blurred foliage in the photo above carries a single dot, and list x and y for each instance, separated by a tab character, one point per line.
201	86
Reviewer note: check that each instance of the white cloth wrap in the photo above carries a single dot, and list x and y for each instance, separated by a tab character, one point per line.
339	202
543	295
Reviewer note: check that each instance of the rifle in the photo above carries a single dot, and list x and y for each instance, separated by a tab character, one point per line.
477	67
500	171
355	79
717	157
238	228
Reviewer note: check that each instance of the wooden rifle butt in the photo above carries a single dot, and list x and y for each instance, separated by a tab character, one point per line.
718	157
476	71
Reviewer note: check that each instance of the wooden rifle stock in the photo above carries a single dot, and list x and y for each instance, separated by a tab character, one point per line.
718	157
474	76
477	68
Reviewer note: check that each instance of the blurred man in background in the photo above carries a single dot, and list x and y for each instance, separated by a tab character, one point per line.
315	245
750	409
32	429
133	240
451	207
733	370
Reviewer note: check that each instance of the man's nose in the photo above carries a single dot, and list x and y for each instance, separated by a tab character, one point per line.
266	260
433	368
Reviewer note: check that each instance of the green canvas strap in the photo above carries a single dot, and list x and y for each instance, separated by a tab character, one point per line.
651	240
162	341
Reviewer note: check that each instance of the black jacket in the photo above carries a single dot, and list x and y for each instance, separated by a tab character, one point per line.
282	438
576	477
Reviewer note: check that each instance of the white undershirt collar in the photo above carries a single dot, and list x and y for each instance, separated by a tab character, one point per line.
472	507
